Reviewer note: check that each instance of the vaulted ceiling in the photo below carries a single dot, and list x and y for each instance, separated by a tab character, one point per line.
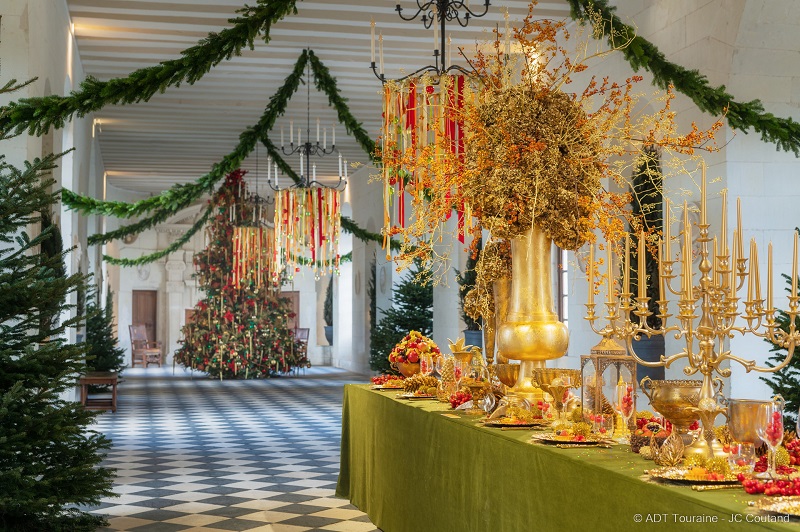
178	135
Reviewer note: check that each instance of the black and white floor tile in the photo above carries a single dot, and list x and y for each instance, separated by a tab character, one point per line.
198	454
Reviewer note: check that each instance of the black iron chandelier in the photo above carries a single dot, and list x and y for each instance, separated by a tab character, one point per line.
436	14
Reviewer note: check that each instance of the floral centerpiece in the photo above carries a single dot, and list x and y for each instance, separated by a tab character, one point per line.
411	349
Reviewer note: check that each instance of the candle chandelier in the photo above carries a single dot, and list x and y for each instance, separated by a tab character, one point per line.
436	14
307	149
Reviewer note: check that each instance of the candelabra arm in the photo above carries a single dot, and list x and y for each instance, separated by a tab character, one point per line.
750	365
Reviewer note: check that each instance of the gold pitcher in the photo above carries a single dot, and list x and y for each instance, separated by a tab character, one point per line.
501	290
531	333
741	414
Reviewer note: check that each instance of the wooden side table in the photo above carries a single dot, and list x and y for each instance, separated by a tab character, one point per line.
99	378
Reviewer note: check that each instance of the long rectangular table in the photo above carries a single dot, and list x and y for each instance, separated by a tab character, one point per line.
412	469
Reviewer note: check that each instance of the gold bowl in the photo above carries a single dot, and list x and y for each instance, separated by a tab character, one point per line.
407	369
674	399
542	377
742	419
507	373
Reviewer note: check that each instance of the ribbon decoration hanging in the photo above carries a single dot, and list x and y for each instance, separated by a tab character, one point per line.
307	230
253	257
422	150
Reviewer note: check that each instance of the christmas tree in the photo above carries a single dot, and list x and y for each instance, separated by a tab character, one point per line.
786	381
48	458
104	353
240	329
412	310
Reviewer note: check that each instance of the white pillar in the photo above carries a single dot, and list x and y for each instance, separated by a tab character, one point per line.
175	305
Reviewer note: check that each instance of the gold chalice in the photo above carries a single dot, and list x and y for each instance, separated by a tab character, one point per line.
507	373
556	382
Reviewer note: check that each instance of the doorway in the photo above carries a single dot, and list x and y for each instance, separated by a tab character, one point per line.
145	311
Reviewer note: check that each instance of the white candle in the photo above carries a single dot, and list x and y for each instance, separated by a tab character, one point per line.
449	51
345	169
333	133
435	25
276	174
317	130
301	164
340	165
372	39
269	170
314	172
282	137
508	37
298	137
380	51
291	131
325	139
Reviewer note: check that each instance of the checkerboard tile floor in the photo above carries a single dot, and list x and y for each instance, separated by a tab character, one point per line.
200	454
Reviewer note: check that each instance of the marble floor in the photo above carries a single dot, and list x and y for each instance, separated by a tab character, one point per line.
197	454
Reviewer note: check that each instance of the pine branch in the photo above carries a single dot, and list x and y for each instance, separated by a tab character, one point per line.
641	53
38	115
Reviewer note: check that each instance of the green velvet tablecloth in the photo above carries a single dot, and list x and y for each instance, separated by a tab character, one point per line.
412	469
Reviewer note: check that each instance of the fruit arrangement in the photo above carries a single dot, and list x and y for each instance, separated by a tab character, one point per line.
646	429
412	347
515	414
459	398
421	384
577	432
711	469
388	381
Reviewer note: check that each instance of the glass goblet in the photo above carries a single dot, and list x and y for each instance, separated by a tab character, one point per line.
769	427
426	366
742	457
623	406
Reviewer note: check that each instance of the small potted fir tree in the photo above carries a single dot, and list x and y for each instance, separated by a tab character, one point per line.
327	312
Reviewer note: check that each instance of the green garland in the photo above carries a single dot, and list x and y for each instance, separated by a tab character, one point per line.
641	53
152	257
327	84
181	196
38	115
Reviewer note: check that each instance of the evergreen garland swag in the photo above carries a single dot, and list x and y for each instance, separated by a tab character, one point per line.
641	53
237	331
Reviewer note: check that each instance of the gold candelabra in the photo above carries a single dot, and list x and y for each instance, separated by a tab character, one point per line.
716	296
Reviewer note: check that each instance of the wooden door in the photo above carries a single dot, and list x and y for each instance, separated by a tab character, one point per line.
294	297
145	311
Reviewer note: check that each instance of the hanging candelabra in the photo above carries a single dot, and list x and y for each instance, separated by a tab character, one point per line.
307	219
434	14
723	274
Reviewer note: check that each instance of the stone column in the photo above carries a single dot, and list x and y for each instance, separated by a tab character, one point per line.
175	304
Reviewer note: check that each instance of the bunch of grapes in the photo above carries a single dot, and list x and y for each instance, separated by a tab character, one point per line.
459	398
794	451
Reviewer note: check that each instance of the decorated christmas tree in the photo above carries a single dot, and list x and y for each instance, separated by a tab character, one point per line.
48	456
240	329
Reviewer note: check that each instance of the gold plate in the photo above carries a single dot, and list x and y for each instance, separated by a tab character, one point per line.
779	505
413	396
496	423
552	439
383	388
678	475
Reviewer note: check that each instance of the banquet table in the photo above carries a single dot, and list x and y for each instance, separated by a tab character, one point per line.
416	466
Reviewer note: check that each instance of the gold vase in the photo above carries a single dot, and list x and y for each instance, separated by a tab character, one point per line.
501	291
531	332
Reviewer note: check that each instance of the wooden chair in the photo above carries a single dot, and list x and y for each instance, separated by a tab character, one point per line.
144	351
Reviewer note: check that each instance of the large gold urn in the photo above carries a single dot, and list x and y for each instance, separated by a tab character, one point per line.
531	333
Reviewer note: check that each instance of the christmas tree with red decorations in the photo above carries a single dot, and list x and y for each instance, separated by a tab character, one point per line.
241	329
